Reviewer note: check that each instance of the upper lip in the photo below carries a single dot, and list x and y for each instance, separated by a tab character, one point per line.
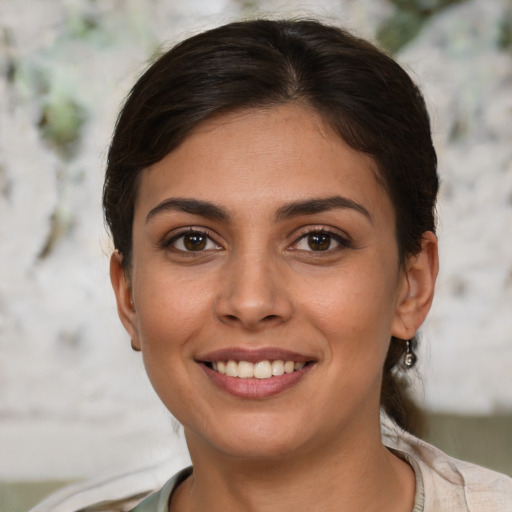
255	355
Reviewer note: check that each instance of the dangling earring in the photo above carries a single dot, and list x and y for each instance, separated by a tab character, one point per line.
134	347
409	356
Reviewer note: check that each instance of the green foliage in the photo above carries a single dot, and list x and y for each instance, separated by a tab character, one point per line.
61	122
53	90
505	32
407	21
423	6
5	183
397	31
61	223
82	27
248	6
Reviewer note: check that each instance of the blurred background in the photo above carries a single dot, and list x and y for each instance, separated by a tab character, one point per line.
74	399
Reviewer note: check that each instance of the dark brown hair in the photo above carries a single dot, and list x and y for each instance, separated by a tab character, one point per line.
363	95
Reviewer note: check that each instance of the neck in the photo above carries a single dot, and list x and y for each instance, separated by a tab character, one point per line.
358	474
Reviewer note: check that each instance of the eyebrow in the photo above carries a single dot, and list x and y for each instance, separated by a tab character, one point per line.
193	206
312	206
295	209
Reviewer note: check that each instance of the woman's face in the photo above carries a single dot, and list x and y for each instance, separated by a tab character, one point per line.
265	240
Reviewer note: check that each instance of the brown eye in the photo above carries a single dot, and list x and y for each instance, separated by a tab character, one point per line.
192	241
195	241
319	241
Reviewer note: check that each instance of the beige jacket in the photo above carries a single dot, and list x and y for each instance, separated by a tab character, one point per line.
443	484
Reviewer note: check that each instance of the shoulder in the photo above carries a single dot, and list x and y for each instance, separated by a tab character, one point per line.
159	501
116	494
449	483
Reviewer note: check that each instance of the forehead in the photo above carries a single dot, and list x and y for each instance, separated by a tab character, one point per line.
263	157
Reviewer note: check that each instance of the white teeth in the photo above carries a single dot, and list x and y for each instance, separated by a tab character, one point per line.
263	370
245	370
232	369
289	367
260	370
277	368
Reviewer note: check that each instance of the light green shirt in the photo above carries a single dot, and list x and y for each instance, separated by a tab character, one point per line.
159	501
442	483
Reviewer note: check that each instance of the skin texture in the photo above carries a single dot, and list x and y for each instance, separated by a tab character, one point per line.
259	284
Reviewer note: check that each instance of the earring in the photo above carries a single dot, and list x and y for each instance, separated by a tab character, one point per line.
409	356
134	347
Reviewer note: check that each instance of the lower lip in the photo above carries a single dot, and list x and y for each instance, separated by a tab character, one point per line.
256	388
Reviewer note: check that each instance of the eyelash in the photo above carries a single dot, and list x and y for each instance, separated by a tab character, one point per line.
169	243
342	241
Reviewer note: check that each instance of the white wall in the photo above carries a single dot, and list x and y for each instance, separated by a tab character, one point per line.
74	400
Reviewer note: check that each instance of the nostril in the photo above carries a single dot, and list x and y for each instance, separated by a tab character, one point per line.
266	319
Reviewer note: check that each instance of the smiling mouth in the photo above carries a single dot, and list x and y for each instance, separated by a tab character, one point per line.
262	370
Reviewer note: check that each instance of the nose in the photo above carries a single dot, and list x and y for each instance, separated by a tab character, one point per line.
252	294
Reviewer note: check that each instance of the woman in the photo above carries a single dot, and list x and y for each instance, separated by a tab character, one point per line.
270	191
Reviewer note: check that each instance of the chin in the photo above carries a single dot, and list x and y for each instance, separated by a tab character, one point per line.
252	438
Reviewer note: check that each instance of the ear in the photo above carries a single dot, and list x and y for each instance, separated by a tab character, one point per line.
417	289
123	292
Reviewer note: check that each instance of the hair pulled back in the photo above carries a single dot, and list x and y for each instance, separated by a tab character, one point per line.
361	93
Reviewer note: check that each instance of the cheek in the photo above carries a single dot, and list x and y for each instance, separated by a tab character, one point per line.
172	309
172	312
354	311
